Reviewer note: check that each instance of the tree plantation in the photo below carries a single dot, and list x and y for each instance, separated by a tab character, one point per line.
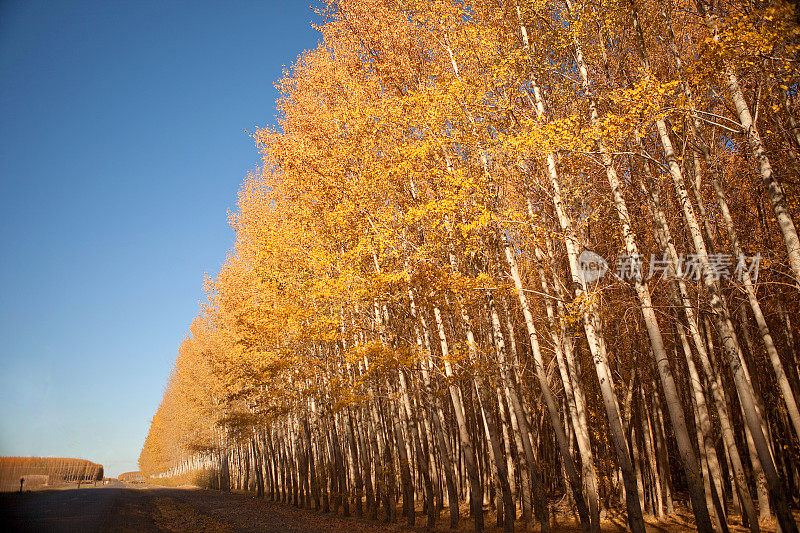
36	472
513	257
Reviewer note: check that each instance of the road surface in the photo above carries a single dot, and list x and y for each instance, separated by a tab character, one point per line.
131	508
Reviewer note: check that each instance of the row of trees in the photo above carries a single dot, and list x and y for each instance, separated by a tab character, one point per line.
46	470
415	308
132	477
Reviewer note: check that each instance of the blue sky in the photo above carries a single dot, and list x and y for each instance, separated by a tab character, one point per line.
122	147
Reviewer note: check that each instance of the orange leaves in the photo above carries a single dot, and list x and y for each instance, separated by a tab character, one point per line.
409	140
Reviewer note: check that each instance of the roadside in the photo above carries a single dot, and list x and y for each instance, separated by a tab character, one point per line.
140	508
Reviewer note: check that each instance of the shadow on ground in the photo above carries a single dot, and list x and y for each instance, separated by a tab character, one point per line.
144	509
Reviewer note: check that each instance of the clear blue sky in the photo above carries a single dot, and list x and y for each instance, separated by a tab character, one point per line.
122	147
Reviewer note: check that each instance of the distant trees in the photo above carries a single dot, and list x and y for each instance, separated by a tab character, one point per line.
406	317
132	477
47	470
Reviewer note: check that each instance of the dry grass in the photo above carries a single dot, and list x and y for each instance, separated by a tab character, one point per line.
199	479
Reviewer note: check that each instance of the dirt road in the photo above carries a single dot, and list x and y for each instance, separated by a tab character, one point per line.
144	509
127	509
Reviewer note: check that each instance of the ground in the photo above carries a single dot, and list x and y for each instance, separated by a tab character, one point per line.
143	509
138	508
